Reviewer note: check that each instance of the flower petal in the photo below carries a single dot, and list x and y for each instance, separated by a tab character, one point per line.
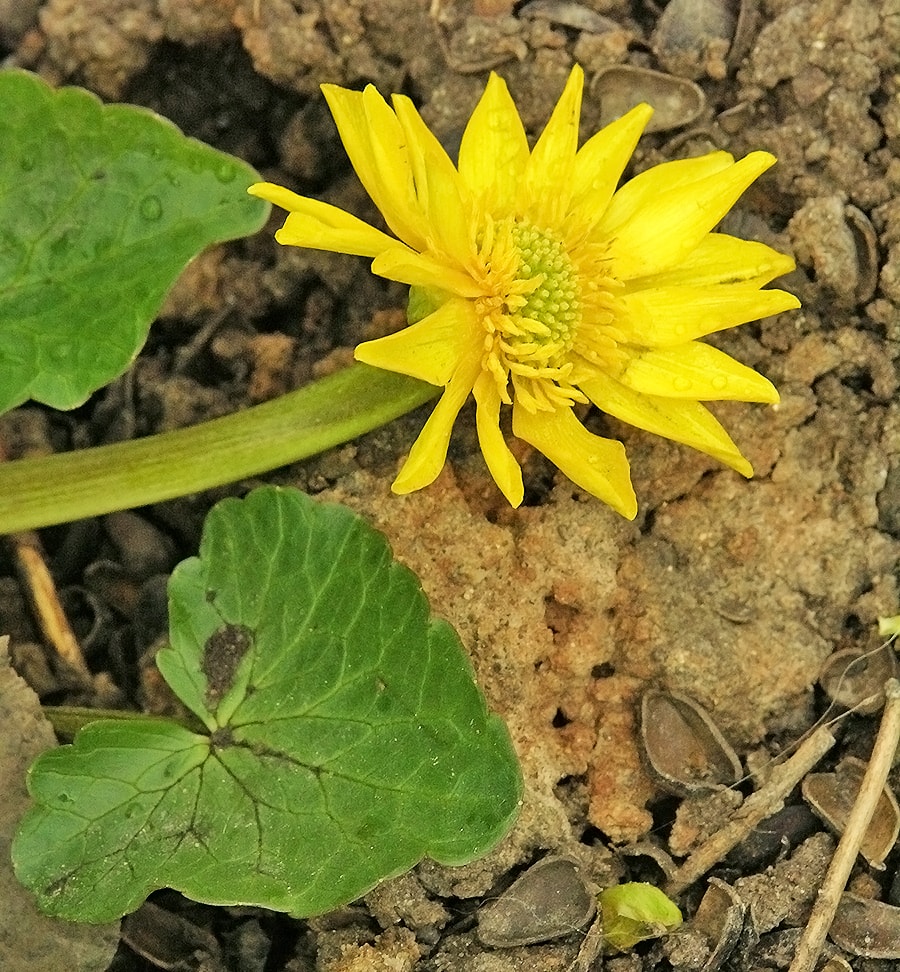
647	185
596	464
500	461
668	227
722	259
277	195
376	146
695	371
321	226
424	270
439	189
547	186
687	422
351	236
601	161
429	451
667	316
494	150
430	350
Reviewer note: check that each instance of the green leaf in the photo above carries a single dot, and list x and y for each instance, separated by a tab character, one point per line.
346	736
101	208
635	911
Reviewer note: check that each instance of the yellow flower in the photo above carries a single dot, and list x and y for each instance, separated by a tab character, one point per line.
545	286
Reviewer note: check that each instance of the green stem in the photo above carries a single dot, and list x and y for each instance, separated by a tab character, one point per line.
89	482
68	719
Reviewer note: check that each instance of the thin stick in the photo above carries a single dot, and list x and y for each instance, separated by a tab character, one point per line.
768	799
870	791
40	588
48	611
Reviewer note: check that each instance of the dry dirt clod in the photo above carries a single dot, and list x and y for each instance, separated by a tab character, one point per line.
16	17
828	244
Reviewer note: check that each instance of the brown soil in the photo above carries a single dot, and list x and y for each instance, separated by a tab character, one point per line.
728	591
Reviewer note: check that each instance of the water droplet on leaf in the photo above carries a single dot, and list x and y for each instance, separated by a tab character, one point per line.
61	351
61	246
151	208
226	172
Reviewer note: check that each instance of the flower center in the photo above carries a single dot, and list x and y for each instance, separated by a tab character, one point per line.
545	324
531	314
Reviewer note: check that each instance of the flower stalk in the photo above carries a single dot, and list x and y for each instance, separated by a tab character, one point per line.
90	482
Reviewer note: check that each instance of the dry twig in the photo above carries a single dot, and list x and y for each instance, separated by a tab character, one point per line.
49	613
768	799
870	790
39	586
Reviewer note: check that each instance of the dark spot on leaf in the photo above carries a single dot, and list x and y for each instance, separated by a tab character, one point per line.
222	654
58	886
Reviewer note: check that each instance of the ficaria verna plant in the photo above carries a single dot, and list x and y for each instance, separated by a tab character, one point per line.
536	284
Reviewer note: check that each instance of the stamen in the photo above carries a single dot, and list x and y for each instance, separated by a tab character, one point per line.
532	313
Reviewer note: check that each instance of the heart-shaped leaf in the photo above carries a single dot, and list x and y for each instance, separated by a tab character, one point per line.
101	208
345	736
